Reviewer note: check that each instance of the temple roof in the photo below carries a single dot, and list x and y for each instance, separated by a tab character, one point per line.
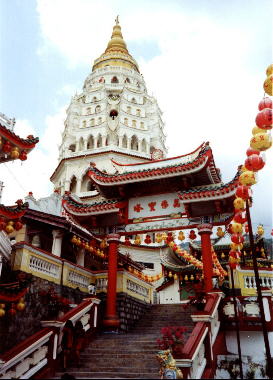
13	212
26	145
198	166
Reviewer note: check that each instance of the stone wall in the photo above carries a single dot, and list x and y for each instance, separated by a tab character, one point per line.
14	329
129	310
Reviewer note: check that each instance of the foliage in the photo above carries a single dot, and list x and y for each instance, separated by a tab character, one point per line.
173	338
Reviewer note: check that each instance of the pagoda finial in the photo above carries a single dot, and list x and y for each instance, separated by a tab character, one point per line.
117	20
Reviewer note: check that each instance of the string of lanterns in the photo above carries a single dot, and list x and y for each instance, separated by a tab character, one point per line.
12	151
12	308
10	226
260	142
144	277
90	247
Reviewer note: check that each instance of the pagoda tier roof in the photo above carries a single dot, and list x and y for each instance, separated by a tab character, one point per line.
13	212
198	167
210	192
74	206
173	262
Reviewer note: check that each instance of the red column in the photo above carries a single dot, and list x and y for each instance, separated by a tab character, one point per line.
205	230
111	319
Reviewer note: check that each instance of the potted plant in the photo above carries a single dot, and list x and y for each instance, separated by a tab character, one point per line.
173	338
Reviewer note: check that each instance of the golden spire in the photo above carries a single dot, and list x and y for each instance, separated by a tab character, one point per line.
116	53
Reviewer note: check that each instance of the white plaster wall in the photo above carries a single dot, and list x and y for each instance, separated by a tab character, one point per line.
252	343
170	294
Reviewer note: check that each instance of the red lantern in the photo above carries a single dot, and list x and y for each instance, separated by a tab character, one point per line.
2	224
264	118
265	103
12	311
240	217
127	240
18	225
169	237
246	228
192	235
272	232
251	151
148	239
23	155
237	238
243	192
254	162
6	147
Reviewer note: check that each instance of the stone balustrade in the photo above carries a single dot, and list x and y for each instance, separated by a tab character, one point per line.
244	279
37	264
37	355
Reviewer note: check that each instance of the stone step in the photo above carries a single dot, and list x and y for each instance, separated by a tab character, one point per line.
110	375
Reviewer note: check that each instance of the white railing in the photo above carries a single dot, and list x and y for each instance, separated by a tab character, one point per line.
250	282
78	279
101	284
198	363
37	264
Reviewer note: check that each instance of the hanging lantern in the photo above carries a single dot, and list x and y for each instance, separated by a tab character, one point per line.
181	236
9	227
12	311
247	178
265	103
170	274
21	305
186	278
246	228
147	240
220	232
261	141
6	147
175	277
192	235
264	119
169	237
23	155
237	228
164	236
254	163
14	152
239	204
269	70
18	225
236	247
237	238
256	130
268	87
158	238
137	240
2	224
272	232
243	192
223	256
2	311
251	151
127	241
192	277
260	230
240	217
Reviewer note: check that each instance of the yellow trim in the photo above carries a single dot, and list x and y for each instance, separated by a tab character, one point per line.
239	282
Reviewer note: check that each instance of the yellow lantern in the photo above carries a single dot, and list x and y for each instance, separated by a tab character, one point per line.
170	274
239	204
74	239
192	277
220	232
260	230
171	244
2	312
247	178
14	153
158	238
223	256
237	228
137	240
9	227
181	236
269	70
20	306
261	141
175	277
256	130
164	236
268	88
186	278
236	247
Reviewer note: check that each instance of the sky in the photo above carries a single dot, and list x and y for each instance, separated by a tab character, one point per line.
203	60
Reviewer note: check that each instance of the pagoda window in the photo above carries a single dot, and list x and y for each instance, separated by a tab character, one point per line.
98	109
141	125
101	80
99	141
134	143
88	111
114	80
92	122
86	184
138	112
73	184
127	80
90	186
133	100
84	123
144	146
99	120
124	142
134	123
72	147
129	109
90	143
107	141
81	144
125	121
113	114
152	148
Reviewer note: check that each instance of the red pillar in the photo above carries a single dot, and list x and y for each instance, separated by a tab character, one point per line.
205	230
111	319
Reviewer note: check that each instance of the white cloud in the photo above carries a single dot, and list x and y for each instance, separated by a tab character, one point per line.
33	174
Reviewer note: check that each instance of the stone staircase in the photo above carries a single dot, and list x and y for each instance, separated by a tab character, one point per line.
130	355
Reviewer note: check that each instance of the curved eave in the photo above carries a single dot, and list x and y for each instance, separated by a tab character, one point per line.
83	209
26	144
13	212
103	179
197	195
174	263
